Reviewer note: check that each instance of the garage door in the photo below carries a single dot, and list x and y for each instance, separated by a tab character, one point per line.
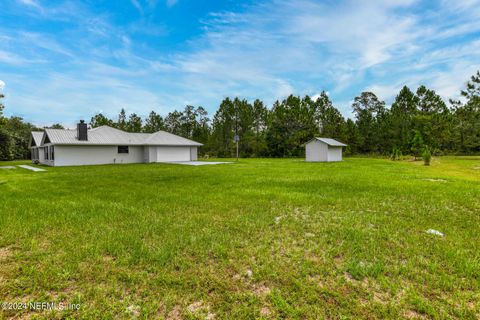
165	154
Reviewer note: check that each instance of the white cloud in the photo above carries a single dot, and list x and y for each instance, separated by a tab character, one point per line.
171	3
11	58
137	5
2	84
31	3
385	92
262	48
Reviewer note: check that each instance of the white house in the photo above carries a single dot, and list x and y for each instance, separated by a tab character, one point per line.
103	145
323	150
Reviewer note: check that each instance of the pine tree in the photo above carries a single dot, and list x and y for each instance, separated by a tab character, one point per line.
417	144
134	123
426	156
153	123
432	118
369	113
466	117
401	115
100	120
223	129
122	120
354	139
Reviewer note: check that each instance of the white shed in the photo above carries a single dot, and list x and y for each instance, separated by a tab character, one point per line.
323	150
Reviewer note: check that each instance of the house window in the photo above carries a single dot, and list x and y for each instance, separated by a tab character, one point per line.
45	153
122	149
52	153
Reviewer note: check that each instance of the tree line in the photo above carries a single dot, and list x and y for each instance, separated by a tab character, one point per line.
415	120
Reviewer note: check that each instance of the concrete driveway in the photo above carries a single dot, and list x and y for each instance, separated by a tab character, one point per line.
198	163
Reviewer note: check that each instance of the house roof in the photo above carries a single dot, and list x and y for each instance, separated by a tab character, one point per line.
166	138
330	142
36	138
106	135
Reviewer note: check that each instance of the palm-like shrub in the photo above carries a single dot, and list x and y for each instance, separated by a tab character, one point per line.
426	156
396	154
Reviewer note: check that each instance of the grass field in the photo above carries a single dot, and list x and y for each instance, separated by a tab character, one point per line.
262	238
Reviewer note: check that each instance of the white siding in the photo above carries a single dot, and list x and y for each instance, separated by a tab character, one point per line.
85	155
37	154
167	154
42	160
69	155
334	154
193	154
33	151
150	154
146	154
41	157
316	151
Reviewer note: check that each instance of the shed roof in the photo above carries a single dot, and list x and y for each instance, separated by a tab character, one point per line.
106	135
329	141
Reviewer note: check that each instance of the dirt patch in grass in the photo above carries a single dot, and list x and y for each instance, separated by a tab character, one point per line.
7	265
434	180
381	297
134	311
261	290
338	259
195	307
175	313
265	312
412	314
108	259
349	277
5	253
199	309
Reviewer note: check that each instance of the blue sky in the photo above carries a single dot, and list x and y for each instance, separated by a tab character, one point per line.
61	61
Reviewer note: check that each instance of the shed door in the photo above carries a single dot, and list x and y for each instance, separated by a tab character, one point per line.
166	154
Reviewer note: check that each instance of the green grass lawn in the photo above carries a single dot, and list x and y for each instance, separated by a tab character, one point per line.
262	238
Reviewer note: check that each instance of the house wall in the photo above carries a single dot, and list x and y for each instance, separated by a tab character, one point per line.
38	150
334	154
33	151
150	154
41	155
85	155
90	155
316	151
193	153
167	153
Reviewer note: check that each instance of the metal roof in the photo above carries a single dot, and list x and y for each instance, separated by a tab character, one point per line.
37	137
166	138
106	135
330	142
